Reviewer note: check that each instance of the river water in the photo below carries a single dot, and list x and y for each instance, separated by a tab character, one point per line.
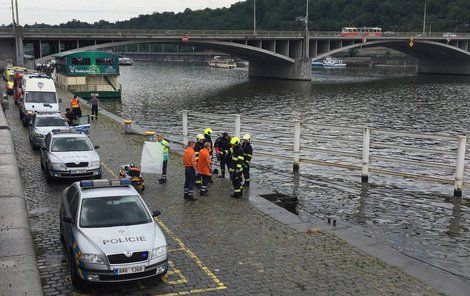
421	219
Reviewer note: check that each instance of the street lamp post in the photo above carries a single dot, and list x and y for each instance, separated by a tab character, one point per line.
424	17
13	14
307	33
254	17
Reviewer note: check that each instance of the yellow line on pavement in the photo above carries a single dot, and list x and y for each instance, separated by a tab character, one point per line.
192	255
174	271
182	246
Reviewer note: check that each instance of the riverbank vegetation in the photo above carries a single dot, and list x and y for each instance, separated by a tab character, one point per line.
325	15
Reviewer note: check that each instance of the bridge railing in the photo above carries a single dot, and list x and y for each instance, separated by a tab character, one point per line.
206	33
433	158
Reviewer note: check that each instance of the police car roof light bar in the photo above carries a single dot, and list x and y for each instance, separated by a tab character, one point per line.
105	183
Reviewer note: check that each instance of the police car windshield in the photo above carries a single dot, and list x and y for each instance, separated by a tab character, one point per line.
47	97
49	121
70	144
112	211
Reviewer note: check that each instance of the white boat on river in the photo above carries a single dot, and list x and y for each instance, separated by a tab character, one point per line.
329	62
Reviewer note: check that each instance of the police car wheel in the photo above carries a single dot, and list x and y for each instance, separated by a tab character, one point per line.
49	178
77	282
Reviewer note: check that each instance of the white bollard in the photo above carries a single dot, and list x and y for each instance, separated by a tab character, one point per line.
185	127
460	165
365	155
296	164
238	125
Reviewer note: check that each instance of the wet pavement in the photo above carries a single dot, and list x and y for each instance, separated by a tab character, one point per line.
218	245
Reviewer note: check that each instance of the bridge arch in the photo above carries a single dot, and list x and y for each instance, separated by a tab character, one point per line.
246	52
432	56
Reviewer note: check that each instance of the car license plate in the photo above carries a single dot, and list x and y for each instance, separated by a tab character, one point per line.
127	270
80	172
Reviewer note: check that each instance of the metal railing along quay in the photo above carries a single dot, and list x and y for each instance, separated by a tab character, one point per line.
433	158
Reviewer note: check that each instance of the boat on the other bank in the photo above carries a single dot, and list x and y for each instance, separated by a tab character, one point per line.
329	62
126	61
223	62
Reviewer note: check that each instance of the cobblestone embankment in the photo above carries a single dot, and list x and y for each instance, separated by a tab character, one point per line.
218	245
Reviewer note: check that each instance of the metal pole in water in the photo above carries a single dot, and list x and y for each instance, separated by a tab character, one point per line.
185	127
459	167
296	145
365	155
238	125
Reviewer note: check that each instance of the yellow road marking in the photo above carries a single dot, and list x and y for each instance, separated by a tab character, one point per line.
174	271
182	246
191	254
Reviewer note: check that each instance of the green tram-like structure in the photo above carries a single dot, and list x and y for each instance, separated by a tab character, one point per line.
89	72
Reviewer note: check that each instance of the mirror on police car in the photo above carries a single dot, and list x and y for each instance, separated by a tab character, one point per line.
156	213
96	146
60	100
67	219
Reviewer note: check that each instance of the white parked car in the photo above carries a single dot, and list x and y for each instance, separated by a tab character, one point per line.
69	155
43	123
110	234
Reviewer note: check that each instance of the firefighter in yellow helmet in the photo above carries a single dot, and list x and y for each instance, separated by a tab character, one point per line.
248	155
198	147
208	139
236	166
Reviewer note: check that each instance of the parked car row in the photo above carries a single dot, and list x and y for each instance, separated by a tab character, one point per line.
107	230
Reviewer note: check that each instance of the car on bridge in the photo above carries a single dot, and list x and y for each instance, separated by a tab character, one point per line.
110	234
69	155
43	123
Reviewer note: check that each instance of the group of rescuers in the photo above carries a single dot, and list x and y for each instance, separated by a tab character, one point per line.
232	153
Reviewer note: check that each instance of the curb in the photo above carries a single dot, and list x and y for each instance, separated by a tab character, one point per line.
19	274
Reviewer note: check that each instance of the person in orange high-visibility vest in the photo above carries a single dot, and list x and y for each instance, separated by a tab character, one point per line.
75	105
190	163
203	167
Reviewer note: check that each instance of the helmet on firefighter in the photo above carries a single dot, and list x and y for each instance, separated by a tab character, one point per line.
208	131
235	141
247	137
200	137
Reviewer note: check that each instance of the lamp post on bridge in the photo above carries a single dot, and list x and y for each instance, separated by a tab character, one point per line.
307	33
254	17
424	17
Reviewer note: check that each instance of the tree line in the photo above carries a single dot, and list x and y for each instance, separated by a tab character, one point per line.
324	15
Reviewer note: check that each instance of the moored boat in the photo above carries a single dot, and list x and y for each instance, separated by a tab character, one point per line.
222	62
125	61
329	62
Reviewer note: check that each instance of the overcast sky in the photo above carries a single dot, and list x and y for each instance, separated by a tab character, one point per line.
59	11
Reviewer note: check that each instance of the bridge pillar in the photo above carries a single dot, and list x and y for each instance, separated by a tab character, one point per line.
300	70
7	49
452	67
19	46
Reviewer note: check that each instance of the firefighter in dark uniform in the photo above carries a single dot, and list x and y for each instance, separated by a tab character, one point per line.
208	139
248	155
198	147
222	145
236	166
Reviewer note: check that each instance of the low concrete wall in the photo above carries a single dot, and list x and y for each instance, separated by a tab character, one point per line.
19	274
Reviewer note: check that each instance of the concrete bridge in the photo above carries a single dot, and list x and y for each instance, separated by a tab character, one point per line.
272	54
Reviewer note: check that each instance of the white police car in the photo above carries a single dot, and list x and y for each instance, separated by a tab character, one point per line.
69	154
110	234
42	124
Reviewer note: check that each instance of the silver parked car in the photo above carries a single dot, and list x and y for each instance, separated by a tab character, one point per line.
69	154
42	124
110	234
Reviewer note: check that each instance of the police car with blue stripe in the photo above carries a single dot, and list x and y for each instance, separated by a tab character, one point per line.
110	234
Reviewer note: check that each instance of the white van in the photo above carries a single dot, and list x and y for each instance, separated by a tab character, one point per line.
38	95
